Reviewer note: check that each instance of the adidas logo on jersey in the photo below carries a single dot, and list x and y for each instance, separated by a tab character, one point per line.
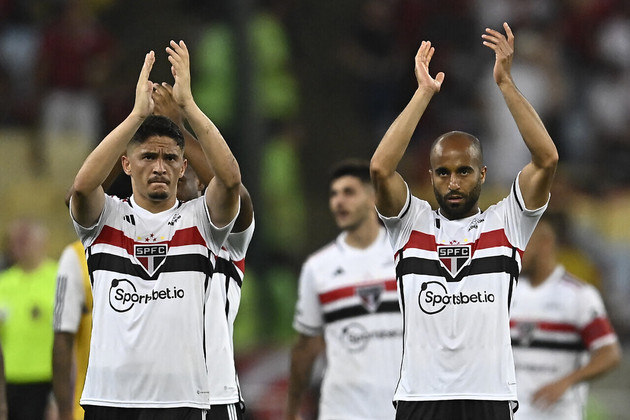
123	295
434	297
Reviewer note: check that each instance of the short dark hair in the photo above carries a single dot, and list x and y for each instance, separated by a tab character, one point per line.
158	125
358	168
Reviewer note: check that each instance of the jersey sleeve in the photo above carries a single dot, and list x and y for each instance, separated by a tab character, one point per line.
216	236
399	227
87	235
520	221
593	322
238	242
308	317
70	293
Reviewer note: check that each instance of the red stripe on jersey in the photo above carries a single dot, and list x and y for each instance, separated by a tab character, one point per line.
240	264
349	291
187	236
494	238
420	240
115	237
548	326
598	328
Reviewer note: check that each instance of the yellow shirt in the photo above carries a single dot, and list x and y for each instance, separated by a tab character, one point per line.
26	320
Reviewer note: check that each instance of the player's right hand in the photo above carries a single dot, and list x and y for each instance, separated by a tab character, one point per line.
423	58
143	105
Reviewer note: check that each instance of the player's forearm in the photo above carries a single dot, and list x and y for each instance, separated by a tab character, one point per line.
62	373
222	161
196	157
392	147
303	356
601	361
543	150
99	164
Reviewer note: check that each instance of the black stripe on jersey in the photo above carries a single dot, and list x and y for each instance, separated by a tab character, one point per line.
227	268
513	280
173	263
359	310
88	253
407	207
576	345
401	288
520	206
487	265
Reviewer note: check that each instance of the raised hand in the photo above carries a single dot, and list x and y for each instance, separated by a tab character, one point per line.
180	67
423	58
165	103
143	105
503	47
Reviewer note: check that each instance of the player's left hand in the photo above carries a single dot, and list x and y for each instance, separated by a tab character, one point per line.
180	68
503	47
549	394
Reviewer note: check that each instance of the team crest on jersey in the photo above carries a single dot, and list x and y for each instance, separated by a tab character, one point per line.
151	256
526	331
454	257
370	296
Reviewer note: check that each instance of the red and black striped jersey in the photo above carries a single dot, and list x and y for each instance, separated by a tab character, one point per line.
456	279
221	310
553	327
349	295
150	274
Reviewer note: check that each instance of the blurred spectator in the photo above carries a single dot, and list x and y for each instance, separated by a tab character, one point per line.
375	61
75	60
274	92
537	70
19	43
27	292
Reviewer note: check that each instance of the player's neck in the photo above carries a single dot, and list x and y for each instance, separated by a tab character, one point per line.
154	206
363	235
542	273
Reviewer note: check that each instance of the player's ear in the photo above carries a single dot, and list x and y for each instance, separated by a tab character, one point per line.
483	171
124	160
183	169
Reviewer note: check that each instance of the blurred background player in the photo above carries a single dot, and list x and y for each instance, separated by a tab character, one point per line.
72	327
561	334
347	306
226	401
27	294
457	266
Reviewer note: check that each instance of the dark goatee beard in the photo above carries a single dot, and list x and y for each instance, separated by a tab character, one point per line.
460	211
158	196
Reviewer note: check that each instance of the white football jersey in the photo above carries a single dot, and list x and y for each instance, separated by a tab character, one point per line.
221	309
455	279
554	325
70	300
150	275
350	296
